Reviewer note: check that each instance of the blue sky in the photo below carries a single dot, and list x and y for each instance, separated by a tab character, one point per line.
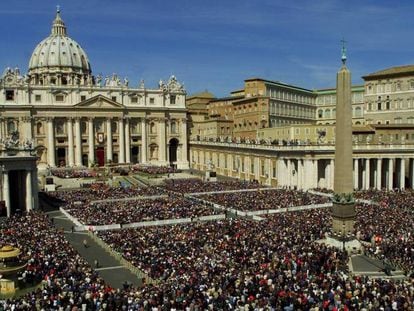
214	45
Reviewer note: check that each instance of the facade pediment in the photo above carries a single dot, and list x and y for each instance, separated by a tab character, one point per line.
99	102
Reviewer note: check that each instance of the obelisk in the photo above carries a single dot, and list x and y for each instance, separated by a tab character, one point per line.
343	209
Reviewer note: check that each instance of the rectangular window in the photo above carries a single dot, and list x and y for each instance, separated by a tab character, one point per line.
9	95
38	97
172	100
113	98
134	99
151	100
59	98
83	97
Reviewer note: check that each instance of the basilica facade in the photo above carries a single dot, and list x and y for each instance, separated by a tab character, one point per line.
82	120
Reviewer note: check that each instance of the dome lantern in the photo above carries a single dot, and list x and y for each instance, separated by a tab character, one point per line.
58	27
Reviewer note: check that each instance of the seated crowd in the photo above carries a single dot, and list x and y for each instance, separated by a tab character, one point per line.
194	185
73	173
245	265
98	191
231	264
125	212
264	199
153	170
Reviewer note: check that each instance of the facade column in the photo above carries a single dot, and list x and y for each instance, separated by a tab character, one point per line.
127	142
91	143
379	174
390	173
6	192
70	142
29	201
78	135
2	132
356	173
367	174
314	182
184	145
143	140
109	151
121	140
402	174
28	127
162	141
51	143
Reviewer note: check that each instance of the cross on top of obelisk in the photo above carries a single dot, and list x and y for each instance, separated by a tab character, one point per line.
343	58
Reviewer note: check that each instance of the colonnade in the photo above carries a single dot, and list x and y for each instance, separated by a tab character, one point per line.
28	188
369	173
382	171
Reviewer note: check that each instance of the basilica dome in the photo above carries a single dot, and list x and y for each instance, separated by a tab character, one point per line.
59	53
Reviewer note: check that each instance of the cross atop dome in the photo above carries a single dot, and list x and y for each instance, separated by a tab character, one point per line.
58	26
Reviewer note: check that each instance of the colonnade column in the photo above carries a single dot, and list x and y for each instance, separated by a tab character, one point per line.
379	174
143	140
411	174
78	151
289	173
328	175
402	173
6	192
300	174
109	151
121	139
332	172
270	171
390	173
367	174
356	173
51	143
91	154
127	142
70	142
162	140
29	202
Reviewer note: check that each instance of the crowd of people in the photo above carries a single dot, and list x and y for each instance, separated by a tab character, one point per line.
72	173
131	211
264	199
193	185
153	170
235	264
230	264
100	191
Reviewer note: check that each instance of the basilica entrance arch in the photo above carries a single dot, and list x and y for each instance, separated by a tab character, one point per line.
172	152
135	154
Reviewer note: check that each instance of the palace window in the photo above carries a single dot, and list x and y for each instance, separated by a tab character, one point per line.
9	95
59	98
173	127
151	100
113	98
83	97
134	99
38	98
172	100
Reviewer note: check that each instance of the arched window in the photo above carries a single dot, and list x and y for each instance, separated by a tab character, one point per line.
320	113
327	113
